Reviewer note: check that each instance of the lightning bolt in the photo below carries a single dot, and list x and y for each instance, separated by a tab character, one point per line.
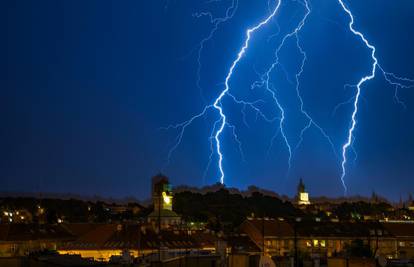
222	122
217	103
216	22
265	82
391	78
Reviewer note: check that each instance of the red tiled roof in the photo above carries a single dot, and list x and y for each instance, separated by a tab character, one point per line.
272	227
309	228
26	232
78	229
112	236
400	229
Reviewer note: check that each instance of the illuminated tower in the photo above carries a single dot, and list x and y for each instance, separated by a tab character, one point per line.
161	193
303	196
162	199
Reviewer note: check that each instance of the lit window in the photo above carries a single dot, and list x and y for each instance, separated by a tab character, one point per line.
323	243
316	243
308	243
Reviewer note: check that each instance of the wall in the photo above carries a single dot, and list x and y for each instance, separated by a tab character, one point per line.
353	262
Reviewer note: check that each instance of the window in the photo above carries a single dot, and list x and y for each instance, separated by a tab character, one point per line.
316	243
308	243
323	243
379	232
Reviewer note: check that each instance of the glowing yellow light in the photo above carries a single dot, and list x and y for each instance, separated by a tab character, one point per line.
167	199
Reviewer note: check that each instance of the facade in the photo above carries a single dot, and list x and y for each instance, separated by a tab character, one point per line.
404	234
105	241
23	239
317	238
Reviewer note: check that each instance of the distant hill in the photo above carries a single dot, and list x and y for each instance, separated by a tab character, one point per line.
67	196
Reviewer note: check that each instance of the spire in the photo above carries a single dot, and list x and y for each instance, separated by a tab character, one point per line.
301	186
303	196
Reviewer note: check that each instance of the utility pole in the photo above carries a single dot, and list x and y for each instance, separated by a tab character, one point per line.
263	235
159	224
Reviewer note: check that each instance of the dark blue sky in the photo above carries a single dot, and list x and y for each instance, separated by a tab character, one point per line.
86	85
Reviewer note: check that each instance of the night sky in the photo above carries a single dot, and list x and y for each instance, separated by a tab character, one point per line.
85	87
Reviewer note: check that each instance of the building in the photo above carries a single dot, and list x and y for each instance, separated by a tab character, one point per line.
23	239
302	195
316	238
105	241
16	216
404	234
273	237
162	215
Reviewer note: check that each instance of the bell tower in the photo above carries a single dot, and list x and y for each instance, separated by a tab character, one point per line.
302	195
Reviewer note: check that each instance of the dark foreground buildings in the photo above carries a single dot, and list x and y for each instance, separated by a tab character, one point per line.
276	238
163	238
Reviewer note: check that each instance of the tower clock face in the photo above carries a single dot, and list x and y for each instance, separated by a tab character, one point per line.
167	199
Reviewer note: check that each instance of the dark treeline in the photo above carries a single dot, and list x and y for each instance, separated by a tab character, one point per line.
49	210
221	208
355	210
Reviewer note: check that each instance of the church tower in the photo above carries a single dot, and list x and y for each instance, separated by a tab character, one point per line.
302	195
163	215
161	193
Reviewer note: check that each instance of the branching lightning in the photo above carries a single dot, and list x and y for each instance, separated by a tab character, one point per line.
391	78
217	103
265	82
215	22
221	122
